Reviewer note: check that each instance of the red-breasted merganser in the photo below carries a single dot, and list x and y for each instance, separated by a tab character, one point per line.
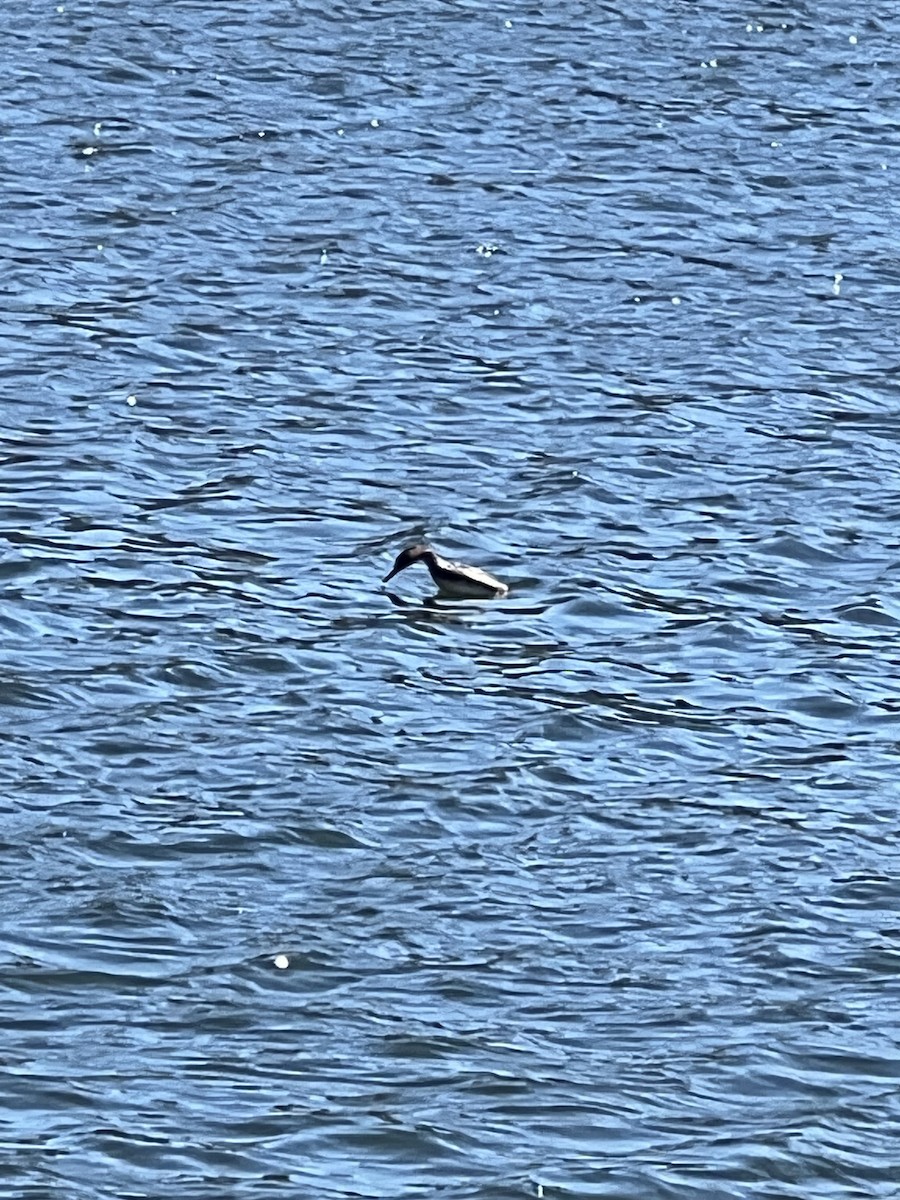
452	579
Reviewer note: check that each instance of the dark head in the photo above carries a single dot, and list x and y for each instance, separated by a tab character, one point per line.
406	558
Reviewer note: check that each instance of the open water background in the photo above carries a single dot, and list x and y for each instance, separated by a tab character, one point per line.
312	891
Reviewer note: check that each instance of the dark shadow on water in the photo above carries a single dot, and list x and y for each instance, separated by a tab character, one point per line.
441	608
399	602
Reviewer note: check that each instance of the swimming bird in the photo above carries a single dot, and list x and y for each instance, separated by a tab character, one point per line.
452	579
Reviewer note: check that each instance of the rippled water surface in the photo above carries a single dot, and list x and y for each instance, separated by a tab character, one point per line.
314	888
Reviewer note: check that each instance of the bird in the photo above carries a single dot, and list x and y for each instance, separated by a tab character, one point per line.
452	578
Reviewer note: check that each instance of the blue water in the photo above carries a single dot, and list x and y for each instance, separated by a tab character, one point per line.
313	888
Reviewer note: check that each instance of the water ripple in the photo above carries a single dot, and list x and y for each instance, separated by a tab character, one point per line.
316	886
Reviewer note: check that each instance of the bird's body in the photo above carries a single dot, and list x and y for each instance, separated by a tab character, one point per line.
452	579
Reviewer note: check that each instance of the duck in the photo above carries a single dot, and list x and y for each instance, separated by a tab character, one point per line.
452	578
